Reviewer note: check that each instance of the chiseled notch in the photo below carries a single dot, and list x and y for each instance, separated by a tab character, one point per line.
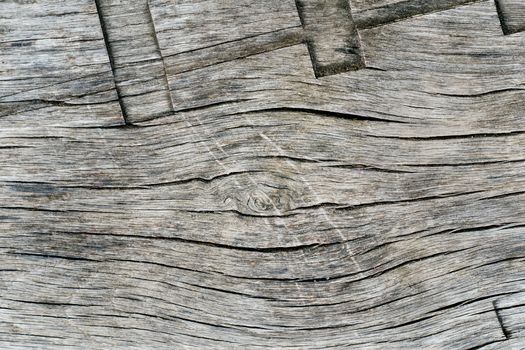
399	10
137	65
512	15
331	36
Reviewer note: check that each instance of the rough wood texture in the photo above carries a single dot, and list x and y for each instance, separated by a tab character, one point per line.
373	209
331	35
512	14
375	13
54	65
135	56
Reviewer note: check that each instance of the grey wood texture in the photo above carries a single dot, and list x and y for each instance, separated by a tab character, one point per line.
379	208
136	60
331	36
373	13
54	65
512	14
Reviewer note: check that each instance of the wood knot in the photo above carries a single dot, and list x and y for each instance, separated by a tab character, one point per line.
259	201
268	200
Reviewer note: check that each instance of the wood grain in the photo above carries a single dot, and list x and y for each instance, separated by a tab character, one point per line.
512	15
369	14
137	64
54	65
272	209
331	36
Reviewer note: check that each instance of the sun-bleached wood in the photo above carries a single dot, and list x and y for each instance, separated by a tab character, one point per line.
373	209
137	64
512	14
54	67
331	35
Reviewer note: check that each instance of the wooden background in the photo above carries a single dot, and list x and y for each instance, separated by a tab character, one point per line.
278	174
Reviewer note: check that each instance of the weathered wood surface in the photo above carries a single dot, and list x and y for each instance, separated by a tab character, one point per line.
135	57
174	175
512	15
54	65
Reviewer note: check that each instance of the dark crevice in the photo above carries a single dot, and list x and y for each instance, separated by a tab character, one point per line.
59	210
301	40
324	113
59	103
111	60
462	163
50	303
411	261
241	213
199	179
404	201
408	323
481	346
367	168
474	229
93	75
15	147
512	194
51	256
464	302
502	20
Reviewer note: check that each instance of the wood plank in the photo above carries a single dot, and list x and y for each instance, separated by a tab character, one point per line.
195	34
481	52
189	25
184	175
55	68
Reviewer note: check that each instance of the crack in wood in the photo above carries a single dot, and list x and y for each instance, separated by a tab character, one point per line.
393	11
